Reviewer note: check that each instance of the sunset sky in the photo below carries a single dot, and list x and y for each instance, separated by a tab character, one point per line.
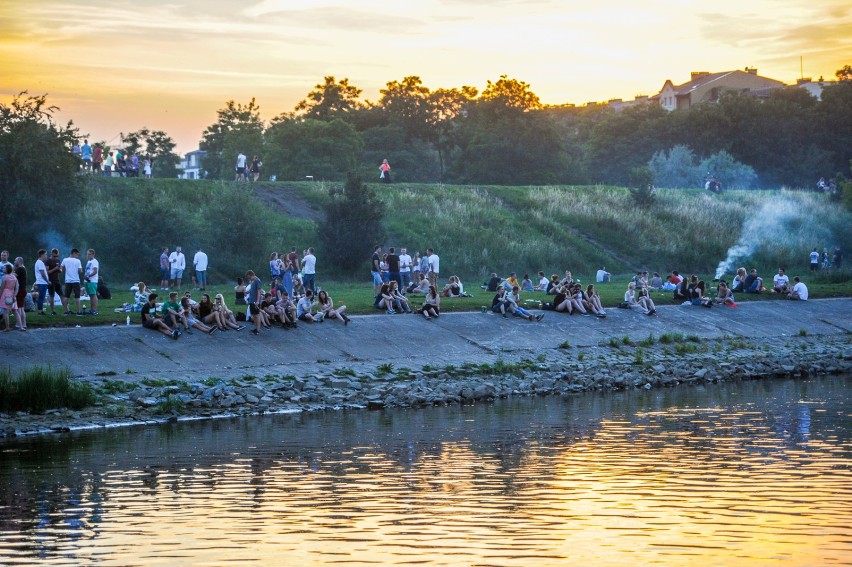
170	64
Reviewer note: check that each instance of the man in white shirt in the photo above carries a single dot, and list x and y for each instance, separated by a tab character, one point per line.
200	263
603	276
780	282
91	276
814	257
799	291
4	261
177	261
404	268
434	266
309	270
73	270
41	279
241	167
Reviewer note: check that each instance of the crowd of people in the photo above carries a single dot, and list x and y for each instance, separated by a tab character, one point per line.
118	163
292	295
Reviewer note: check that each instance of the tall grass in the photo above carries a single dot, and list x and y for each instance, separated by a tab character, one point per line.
474	229
41	388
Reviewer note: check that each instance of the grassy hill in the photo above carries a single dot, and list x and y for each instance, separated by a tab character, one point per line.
475	230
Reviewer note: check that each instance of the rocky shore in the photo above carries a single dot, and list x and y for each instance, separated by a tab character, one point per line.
665	360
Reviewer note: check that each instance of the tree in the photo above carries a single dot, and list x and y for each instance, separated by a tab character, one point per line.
446	105
297	147
352	225
642	186
844	73
330	100
155	144
407	103
512	93
238	129
38	172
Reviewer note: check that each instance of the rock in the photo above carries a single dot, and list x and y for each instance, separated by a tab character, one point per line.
147	402
701	373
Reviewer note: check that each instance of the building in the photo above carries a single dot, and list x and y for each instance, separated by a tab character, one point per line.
707	87
190	166
814	87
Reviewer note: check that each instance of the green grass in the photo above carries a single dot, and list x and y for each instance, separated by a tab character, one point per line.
41	388
358	298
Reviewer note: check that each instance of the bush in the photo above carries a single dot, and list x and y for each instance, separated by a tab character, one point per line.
41	388
676	169
732	174
642	186
352	226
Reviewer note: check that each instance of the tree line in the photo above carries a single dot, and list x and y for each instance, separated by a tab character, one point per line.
505	135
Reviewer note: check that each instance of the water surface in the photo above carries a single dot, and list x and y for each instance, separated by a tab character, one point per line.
756	473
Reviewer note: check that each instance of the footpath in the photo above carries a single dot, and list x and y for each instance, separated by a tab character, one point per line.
404	360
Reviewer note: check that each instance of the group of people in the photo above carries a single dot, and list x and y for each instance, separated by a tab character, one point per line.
116	164
14	283
173	266
243	171
693	290
822	261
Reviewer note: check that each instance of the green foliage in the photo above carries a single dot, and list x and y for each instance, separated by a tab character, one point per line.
331	99
642	186
298	147
676	168
731	173
237	129
235	229
172	404
41	388
37	171
155	144
352	226
385	368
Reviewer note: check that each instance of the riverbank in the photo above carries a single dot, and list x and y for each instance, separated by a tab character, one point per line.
404	361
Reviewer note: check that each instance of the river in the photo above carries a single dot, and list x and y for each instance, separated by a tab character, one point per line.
747	473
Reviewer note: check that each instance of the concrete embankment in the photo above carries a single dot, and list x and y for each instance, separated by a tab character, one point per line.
405	361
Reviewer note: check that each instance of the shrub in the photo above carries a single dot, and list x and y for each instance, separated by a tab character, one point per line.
352	225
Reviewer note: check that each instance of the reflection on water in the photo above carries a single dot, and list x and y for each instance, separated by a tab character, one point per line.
743	474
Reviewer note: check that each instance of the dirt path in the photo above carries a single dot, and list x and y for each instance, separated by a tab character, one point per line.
286	200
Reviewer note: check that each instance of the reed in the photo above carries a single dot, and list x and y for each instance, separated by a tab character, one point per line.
41	388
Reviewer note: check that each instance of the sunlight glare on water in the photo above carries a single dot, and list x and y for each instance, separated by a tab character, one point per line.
755	473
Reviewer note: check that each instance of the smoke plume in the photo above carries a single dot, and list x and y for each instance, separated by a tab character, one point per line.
761	227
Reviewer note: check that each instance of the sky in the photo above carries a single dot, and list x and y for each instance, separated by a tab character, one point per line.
168	65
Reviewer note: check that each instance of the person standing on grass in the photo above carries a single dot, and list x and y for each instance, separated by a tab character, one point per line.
241	167
200	263
54	287
8	293
41	279
404	268
393	266
73	270
164	268
434	267
814	257
376	269
254	296
177	261
21	296
385	171
91	275
309	270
